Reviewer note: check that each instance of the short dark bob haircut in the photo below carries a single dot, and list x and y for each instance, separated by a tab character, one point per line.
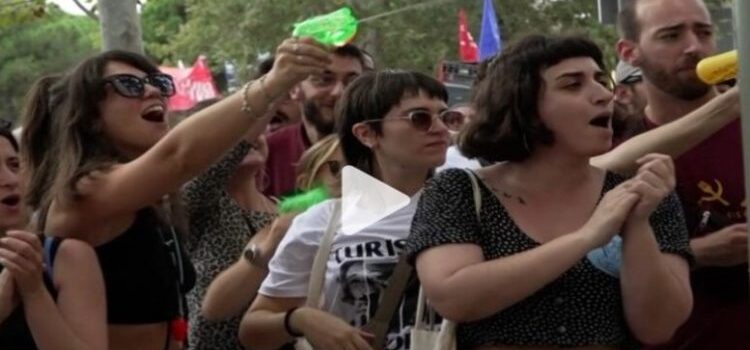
507	126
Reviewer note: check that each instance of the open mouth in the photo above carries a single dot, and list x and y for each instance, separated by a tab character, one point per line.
11	200
154	114
601	121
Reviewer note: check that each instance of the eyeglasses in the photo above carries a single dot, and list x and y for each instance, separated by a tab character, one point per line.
632	80
423	120
131	86
334	167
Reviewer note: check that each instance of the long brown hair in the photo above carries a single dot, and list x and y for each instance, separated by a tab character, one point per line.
80	144
69	124
41	101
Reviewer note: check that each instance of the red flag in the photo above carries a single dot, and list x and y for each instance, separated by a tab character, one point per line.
193	85
467	48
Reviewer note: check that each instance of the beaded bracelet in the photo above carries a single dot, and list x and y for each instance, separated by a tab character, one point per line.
262	81
246	102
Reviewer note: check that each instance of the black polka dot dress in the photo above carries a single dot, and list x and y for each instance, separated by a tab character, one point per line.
583	307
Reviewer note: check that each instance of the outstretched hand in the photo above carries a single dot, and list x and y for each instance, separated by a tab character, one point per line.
296	59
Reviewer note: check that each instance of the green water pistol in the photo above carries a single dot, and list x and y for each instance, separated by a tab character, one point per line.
301	202
333	29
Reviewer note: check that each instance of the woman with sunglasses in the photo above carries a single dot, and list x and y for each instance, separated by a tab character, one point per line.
524	271
390	127
51	290
114	161
235	288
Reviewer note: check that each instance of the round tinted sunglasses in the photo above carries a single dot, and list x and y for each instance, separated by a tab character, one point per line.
422	120
131	86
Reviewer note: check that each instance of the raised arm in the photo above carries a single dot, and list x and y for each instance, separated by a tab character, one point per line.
675	138
232	291
655	276
197	142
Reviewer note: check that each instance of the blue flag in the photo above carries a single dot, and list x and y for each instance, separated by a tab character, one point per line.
490	43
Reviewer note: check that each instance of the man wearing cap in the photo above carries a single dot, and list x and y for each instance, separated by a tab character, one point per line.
629	102
630	92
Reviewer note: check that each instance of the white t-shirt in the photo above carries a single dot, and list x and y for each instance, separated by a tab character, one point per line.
454	159
357	272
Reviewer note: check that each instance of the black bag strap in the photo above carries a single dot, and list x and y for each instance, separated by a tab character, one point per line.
389	302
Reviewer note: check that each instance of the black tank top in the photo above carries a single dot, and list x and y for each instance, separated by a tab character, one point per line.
14	331
140	276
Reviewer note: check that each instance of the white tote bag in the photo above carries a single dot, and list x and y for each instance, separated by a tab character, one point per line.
318	272
425	337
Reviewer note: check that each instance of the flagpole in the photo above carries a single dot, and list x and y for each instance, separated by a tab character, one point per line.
742	11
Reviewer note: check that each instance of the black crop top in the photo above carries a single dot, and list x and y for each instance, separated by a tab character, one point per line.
582	307
14	331
140	277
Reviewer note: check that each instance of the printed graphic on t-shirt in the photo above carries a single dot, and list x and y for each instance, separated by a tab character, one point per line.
714	199
363	273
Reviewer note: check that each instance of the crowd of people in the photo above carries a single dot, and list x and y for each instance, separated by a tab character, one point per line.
557	209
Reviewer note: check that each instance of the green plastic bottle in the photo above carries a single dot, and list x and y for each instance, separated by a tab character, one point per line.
333	29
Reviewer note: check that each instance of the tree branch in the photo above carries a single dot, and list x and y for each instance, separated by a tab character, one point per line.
88	12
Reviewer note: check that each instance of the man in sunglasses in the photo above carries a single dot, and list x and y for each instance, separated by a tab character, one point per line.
630	92
629	102
316	96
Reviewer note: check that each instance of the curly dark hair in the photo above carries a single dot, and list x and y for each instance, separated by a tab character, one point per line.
507	126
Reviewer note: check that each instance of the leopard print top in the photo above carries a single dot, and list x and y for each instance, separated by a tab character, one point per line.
219	230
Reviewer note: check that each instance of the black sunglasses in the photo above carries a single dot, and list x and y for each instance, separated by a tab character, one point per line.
131	86
632	80
422	120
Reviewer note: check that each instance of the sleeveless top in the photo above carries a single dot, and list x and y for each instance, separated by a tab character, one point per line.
141	273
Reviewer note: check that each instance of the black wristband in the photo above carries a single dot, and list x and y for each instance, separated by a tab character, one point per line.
288	327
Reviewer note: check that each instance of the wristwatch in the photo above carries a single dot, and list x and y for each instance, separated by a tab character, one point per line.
252	255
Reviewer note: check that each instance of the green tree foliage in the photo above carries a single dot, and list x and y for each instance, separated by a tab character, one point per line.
46	45
18	11
160	23
418	39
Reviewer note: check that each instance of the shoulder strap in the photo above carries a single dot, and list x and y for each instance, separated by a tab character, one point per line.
51	244
389	302
476	191
318	272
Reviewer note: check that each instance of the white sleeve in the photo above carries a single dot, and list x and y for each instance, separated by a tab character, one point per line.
289	269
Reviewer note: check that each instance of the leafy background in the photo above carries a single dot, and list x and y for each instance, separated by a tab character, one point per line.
37	38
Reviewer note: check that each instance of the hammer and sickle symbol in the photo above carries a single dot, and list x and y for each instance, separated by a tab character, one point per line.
711	194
